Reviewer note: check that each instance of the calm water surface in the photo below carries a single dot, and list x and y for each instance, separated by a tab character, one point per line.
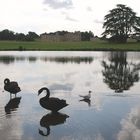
113	112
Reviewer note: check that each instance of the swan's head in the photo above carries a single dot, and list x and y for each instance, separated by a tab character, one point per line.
6	81
89	93
42	89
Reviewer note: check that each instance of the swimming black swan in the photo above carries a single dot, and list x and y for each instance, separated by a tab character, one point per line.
51	103
11	87
51	119
12	105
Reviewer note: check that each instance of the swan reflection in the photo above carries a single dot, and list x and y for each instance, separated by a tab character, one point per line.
12	105
51	119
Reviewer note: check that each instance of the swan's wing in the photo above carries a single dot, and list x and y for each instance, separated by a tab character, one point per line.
56	102
13	83
82	96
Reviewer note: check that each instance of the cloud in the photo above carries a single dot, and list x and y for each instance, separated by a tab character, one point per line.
70	19
98	21
45	9
67	17
57	4
89	9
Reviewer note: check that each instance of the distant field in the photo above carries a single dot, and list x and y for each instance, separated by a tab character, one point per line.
60	46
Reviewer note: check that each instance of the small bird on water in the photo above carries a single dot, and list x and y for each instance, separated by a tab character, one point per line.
86	97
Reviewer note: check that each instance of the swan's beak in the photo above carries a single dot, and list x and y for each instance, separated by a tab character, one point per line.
90	91
39	92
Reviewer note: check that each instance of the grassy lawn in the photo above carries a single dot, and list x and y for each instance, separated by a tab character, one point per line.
59	46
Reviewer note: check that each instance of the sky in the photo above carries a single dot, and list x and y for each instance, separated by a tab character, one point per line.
48	16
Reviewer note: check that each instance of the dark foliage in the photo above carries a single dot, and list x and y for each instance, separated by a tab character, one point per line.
10	35
120	23
85	36
119	74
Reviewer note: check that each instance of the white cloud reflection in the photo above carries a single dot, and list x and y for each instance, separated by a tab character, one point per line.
98	136
12	129
131	126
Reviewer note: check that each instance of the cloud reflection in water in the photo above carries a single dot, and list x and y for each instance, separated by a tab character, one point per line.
131	126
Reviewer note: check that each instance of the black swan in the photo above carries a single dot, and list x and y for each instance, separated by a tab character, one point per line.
11	86
51	119
51	103
12	105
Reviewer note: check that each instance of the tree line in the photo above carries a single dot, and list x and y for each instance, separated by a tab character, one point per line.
32	36
10	35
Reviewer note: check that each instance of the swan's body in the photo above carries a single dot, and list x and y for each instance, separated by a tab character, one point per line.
11	86
51	103
86	97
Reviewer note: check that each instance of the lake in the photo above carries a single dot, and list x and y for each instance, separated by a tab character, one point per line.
112	113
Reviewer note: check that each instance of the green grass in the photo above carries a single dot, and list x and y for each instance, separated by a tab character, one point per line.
60	46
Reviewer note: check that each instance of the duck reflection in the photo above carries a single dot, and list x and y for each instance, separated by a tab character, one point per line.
88	101
118	74
12	105
51	119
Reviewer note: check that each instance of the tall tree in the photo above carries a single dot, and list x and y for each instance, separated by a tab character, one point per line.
121	22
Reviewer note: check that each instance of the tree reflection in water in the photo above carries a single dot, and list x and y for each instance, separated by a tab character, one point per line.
118	74
7	59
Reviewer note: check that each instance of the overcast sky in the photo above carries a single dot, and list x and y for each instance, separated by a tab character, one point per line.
52	15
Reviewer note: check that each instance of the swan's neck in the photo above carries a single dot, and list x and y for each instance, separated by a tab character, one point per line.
48	93
6	81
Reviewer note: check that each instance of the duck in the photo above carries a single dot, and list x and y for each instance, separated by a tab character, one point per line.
51	103
51	119
11	86
86	97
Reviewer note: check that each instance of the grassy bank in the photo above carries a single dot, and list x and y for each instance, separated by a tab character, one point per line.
59	46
